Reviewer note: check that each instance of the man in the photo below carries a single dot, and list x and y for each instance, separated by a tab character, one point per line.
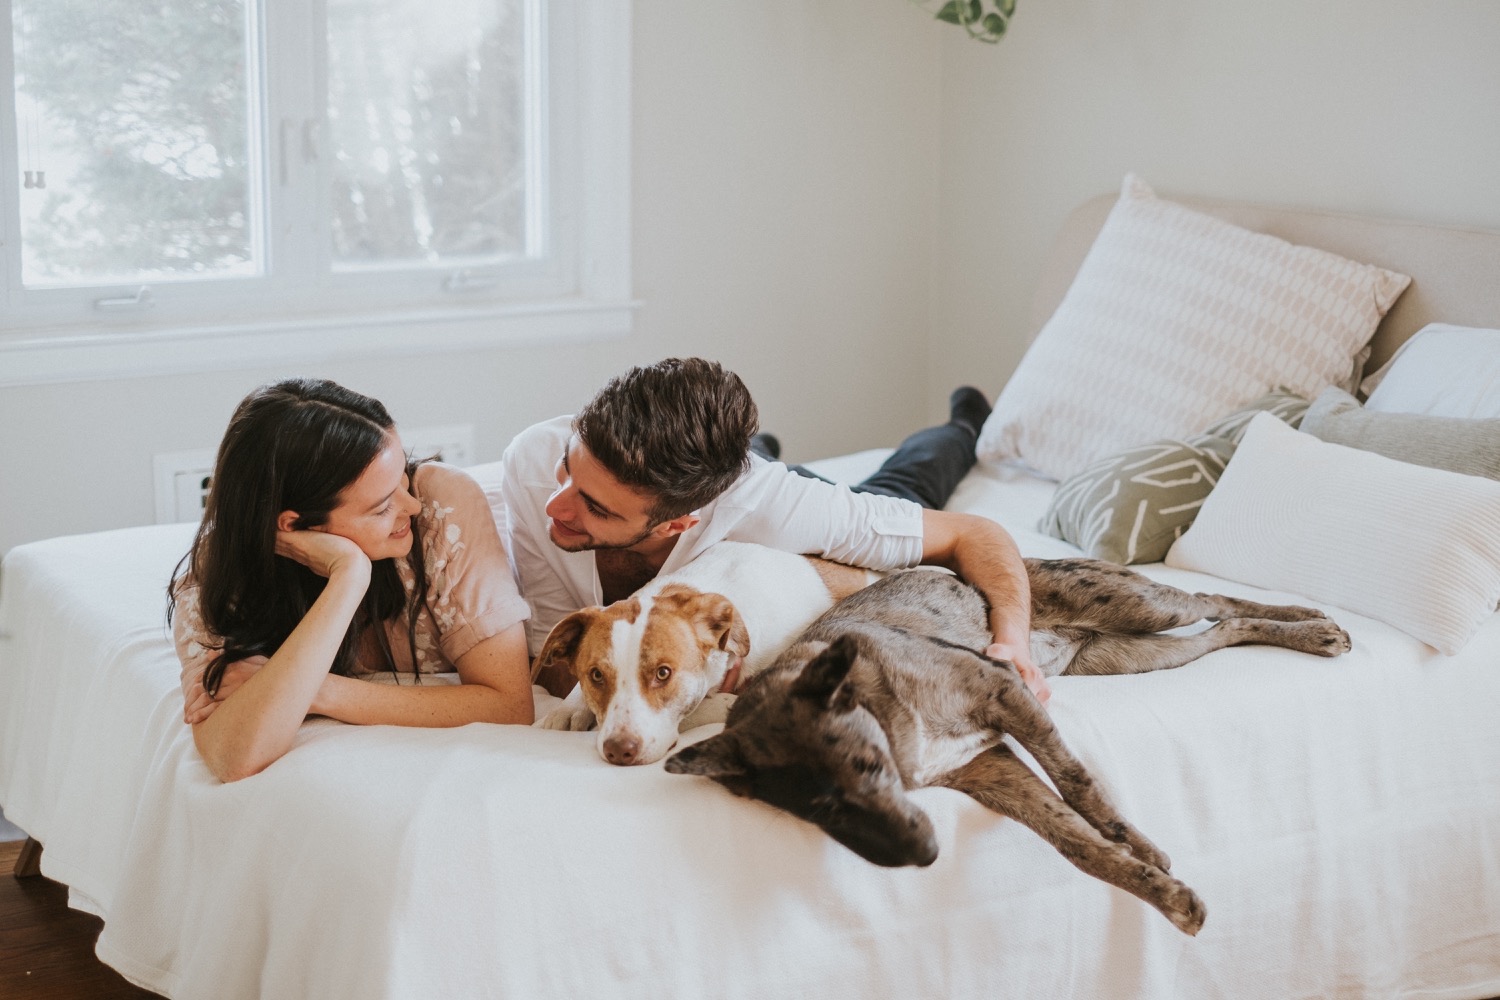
658	466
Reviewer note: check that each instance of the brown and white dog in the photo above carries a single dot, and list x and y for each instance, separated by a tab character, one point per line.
652	665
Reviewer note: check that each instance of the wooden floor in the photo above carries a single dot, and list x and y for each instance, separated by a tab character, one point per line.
46	949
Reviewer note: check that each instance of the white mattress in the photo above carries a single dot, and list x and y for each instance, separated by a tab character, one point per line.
1341	820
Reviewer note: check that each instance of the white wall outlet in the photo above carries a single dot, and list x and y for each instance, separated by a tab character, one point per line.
182	484
453	444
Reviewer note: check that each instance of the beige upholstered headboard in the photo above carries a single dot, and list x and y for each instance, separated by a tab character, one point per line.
1455	272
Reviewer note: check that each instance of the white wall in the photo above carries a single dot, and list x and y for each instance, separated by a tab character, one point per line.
785	174
1380	108
788	158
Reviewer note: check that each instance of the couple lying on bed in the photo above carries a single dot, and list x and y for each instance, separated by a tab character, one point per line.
325	555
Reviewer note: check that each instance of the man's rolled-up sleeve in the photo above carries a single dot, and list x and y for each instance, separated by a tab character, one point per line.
808	516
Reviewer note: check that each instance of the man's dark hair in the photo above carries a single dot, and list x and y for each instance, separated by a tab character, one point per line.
678	430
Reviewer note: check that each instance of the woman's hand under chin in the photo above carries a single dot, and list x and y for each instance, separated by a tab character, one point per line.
322	552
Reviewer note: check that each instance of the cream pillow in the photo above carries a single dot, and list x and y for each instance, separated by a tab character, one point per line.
1414	547
1441	371
1175	317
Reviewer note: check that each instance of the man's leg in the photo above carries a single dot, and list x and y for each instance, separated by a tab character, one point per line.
928	465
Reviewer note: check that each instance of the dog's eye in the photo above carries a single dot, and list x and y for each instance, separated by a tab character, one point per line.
663	674
596	676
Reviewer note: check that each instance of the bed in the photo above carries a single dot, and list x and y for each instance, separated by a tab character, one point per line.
1340	818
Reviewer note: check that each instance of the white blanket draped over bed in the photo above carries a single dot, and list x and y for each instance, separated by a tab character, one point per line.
1340	818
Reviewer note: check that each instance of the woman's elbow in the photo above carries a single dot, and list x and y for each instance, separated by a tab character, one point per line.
512	711
228	761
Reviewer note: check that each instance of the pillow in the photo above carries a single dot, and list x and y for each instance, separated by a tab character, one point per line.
1173	317
1131	507
1288	407
1471	447
1416	548
1442	371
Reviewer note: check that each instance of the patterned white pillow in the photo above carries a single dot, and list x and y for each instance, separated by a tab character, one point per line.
1175	317
1416	548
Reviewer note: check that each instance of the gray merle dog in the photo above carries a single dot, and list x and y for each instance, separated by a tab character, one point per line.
887	692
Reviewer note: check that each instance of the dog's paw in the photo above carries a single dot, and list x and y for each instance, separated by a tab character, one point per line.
714	708
569	719
1323	638
1184	909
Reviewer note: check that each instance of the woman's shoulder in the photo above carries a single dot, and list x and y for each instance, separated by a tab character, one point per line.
449	494
439	481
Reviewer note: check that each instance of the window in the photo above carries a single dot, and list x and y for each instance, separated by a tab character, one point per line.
199	183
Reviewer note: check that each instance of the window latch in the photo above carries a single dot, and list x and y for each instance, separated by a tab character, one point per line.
140	300
465	280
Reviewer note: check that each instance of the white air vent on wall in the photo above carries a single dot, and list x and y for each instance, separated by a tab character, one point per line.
182	484
453	444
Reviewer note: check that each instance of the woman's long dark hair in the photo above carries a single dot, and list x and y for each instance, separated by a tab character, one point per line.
292	445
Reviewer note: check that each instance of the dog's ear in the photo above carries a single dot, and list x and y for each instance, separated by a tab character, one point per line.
825	678
734	637
716	757
714	617
561	647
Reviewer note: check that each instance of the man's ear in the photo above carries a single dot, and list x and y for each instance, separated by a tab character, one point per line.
716	757
676	526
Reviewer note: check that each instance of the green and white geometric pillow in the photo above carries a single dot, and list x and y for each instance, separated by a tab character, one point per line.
1130	507
1290	407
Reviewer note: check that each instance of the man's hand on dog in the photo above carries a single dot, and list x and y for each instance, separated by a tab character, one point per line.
1034	678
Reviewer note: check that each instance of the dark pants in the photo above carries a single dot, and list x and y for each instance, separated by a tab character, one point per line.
926	467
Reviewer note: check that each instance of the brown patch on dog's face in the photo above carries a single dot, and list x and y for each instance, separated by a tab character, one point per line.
715	620
582	643
670	646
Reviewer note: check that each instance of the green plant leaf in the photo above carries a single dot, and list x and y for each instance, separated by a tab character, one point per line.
1007	8
993	24
974	11
949	13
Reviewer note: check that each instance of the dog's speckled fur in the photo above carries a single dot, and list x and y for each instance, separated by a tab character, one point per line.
887	692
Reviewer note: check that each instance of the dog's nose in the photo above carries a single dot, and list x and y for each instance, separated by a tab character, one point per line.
622	749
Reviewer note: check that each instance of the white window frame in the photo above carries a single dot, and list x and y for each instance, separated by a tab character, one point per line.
581	289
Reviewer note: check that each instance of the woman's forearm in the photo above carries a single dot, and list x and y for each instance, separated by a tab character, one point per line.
361	702
256	726
496	687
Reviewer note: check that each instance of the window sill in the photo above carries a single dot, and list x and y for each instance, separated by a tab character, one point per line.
85	355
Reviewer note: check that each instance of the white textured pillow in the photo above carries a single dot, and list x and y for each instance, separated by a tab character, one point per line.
1176	317
1441	371
1414	547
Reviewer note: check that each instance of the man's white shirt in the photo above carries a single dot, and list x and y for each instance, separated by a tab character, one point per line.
769	505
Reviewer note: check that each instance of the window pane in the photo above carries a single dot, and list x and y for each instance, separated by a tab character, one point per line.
426	107
132	141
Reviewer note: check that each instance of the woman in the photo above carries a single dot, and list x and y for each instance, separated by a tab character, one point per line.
325	556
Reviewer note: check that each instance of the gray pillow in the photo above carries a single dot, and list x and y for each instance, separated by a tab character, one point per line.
1131	507
1458	444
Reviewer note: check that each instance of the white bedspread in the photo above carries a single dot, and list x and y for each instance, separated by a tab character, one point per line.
1341	819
